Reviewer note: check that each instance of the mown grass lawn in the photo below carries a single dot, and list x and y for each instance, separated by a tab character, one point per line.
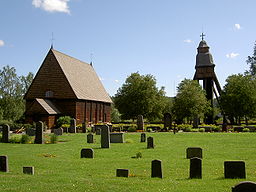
58	167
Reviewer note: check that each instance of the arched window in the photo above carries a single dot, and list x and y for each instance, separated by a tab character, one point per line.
48	94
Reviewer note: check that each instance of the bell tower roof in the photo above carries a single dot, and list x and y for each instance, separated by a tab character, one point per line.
204	57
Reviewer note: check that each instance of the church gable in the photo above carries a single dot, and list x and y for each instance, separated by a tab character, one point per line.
50	81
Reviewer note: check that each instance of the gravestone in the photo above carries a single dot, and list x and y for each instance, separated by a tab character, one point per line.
83	127
29	170
150	142
194	152
97	129
122	172
72	127
39	133
90	138
143	137
234	169
245	186
30	131
4	163
6	133
87	153
116	137
167	121
58	131
195	168
156	168
140	122
105	138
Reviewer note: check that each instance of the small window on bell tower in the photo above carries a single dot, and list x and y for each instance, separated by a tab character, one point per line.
48	94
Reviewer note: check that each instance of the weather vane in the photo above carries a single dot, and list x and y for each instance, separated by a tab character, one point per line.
52	39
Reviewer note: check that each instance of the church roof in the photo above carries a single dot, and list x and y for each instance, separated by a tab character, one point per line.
48	106
82	78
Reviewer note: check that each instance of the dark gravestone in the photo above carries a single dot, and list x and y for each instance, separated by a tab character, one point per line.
245	186
72	127
4	163
167	121
29	170
156	168
194	152
150	142
83	127
116	137
195	168
6	134
122	172
39	133
105	138
234	169
97	129
90	138
143	137
87	153
30	131
58	131
140	122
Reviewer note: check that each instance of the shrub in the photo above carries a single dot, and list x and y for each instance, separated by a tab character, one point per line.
15	139
132	129
202	130
187	129
195	130
25	139
129	141
53	139
246	130
63	120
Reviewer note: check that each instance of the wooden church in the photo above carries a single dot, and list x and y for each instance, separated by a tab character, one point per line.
65	86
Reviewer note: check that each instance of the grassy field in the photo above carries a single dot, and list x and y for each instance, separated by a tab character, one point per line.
58	167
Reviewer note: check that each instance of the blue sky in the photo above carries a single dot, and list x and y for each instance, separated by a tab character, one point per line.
158	37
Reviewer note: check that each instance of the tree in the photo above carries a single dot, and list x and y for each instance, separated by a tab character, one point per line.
12	89
140	96
190	101
238	98
251	61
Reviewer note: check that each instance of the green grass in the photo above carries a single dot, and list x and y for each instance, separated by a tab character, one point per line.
58	167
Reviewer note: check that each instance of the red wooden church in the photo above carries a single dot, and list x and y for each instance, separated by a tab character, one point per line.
65	86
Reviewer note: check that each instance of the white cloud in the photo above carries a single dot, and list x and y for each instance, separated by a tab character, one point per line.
102	79
117	81
1	43
52	5
232	55
188	41
238	26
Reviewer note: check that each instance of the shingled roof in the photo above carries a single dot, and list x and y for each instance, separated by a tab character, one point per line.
82	78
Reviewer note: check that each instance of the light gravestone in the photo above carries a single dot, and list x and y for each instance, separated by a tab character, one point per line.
58	131
234	169
245	186
87	153
156	168
6	134
39	133
4	163
194	152
122	172
105	138
150	143
116	137
195	168
72	127
143	137
30	131
140	122
29	170
167	121
90	138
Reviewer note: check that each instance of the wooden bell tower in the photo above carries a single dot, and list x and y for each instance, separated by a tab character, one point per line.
205	72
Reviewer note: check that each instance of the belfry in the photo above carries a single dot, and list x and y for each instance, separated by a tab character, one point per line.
205	72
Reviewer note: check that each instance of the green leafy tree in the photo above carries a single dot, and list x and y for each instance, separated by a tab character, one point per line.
12	89
251	61
238	98
115	115
190	101
140	96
